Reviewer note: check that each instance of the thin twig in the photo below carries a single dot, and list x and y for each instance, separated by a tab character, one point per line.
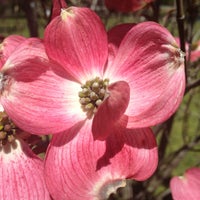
192	85
180	21
165	135
156	10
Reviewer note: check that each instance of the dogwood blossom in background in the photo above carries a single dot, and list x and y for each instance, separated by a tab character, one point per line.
20	66
195	52
126	5
186	187
21	171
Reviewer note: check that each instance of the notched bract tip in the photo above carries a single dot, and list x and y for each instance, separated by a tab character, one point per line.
111	188
66	12
179	57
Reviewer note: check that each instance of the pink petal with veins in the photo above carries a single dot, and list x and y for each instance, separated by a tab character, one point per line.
115	36
187	187
77	167
149	60
21	173
37	93
8	45
110	111
77	40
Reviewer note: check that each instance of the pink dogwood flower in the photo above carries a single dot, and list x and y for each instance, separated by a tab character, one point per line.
126	5
79	80
186	187
77	167
195	52
137	82
130	144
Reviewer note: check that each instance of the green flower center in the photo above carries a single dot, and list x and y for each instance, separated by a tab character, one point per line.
92	95
7	129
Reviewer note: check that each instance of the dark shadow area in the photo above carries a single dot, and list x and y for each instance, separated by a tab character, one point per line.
66	136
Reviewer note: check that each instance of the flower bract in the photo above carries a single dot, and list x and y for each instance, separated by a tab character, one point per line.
187	186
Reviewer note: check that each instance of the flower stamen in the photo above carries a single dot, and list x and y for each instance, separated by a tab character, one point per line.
7	129
92	95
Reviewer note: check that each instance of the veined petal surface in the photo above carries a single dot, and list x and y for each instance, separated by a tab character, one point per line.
115	36
37	94
186	187
149	60
111	110
77	40
21	173
8	45
77	167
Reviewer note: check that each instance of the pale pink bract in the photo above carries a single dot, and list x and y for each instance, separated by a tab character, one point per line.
126	5
8	45
21	173
186	187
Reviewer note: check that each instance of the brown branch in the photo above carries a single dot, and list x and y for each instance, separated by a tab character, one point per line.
165	135
31	16
192	85
156	10
180	21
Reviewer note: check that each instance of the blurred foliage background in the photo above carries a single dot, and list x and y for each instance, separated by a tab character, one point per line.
179	137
